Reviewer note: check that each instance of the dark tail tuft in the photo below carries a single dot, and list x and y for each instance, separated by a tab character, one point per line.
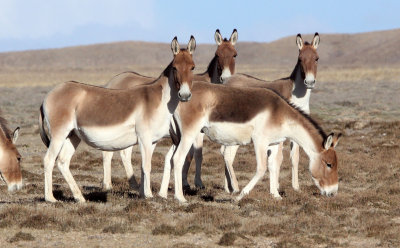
42	132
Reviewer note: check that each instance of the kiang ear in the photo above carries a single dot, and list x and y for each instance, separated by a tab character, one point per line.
175	46
218	37
315	41
336	140
234	37
191	45
15	135
328	141
299	41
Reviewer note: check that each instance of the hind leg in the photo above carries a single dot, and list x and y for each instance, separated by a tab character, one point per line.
49	160
231	183
261	157
63	162
126	156
198	158
186	166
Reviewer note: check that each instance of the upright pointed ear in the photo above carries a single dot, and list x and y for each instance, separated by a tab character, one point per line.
191	45
299	41
234	37
175	46
315	41
328	141
218	37
15	135
336	139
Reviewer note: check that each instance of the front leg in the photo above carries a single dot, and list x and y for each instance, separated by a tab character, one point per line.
178	160
294	156
146	150
107	157
167	172
274	154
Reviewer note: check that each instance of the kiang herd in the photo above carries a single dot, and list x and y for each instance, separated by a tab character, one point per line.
230	109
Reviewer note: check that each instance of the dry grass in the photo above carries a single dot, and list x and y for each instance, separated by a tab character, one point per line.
365	213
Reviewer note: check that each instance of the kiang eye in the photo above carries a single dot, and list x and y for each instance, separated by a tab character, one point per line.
19	159
329	165
193	68
235	55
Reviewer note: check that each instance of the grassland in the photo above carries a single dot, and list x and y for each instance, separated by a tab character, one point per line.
360	101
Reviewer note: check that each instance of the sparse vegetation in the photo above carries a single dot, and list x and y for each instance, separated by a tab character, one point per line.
361	102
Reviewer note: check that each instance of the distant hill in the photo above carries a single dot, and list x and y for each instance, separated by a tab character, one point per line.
381	48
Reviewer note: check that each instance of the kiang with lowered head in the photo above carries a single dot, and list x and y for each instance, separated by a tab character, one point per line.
140	115
297	89
10	168
238	116
219	69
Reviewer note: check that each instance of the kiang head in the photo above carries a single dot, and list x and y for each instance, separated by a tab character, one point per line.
226	54
324	168
183	67
10	169
308	59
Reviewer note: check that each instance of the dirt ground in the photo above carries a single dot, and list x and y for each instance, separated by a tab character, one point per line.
365	213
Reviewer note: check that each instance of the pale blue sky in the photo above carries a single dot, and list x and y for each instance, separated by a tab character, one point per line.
30	24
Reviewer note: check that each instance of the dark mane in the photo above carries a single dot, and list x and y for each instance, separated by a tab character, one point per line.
306	43
304	114
252	77
4	127
225	39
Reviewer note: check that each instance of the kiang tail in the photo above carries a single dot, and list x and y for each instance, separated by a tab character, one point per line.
42	131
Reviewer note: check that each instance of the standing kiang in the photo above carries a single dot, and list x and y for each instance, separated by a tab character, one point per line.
111	119
220	68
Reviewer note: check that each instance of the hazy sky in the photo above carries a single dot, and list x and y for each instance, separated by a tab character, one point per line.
30	24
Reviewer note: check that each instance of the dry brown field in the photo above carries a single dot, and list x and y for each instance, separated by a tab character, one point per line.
359	99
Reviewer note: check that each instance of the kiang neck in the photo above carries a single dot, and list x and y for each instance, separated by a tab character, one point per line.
213	72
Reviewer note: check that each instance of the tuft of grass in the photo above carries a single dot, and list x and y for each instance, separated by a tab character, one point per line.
116	228
21	236
227	239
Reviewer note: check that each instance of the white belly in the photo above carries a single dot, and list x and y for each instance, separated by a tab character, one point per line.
228	133
109	138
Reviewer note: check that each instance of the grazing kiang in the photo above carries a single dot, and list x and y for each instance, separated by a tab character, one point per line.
10	168
297	89
243	115
112	119
220	68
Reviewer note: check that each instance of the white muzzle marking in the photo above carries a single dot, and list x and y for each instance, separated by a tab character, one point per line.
184	93
226	73
309	81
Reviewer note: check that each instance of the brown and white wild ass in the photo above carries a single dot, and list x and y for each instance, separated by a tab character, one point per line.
10	168
221	67
297	89
110	119
240	115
